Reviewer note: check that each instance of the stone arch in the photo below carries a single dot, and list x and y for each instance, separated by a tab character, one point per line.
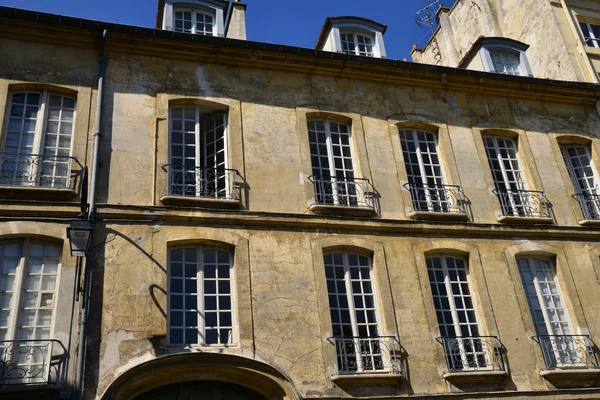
258	377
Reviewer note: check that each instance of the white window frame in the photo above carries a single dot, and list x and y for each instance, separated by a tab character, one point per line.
194	13
450	295
440	200
360	195
514	199
355	41
594	204
40	134
18	294
200	142
352	309
488	64
200	299
378	47
592	38
543	306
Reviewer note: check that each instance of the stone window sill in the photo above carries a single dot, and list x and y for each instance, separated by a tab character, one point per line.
589	222
368	379
326	209
437	216
475	376
509	219
36	193
205	202
570	374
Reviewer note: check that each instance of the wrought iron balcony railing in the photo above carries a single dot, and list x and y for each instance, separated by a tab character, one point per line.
51	171
473	353
590	205
215	183
367	355
27	362
347	192
439	198
524	203
568	351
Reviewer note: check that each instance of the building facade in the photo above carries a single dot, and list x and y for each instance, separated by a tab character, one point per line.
273	222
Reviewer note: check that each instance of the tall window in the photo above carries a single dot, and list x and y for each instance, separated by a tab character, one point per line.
200	304
505	62
356	43
332	165
544	297
509	180
28	284
585	178
591	34
424	169
198	153
196	22
456	314
36	144
353	312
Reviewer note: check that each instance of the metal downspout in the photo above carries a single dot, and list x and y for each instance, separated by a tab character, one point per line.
580	45
92	217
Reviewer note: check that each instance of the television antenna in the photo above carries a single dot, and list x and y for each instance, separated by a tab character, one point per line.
426	17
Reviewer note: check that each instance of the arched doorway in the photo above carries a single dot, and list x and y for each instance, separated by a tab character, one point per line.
201	390
200	376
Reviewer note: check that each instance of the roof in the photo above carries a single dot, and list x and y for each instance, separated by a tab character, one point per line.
330	21
140	40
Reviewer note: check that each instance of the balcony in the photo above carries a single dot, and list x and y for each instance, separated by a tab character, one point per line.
31	362
441	202
348	196
524	206
569	358
473	359
590	206
203	187
372	358
40	176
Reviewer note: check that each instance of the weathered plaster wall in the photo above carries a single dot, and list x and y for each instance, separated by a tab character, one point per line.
553	51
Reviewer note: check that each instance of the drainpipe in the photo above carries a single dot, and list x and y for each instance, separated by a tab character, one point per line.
85	299
580	45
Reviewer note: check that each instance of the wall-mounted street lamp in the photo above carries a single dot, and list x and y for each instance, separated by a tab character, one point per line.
80	237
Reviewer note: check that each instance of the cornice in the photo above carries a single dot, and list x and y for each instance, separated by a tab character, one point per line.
66	31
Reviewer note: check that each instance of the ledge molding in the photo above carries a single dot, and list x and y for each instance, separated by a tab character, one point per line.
204	202
475	376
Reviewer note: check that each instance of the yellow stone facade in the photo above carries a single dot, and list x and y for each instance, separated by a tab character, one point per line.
277	241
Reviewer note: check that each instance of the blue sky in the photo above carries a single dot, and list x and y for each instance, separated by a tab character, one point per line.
295	23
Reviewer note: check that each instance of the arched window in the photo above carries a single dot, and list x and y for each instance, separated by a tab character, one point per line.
354	316
36	142
584	176
28	287
198	153
332	163
201	297
504	56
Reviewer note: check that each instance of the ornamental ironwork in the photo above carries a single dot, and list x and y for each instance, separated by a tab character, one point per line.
364	355
438	198
568	351
17	169
590	205
473	353
216	183
344	192
25	362
524	203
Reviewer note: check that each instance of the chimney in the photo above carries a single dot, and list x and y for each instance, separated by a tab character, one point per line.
236	21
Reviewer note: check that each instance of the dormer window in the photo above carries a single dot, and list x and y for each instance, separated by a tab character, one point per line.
357	43
197	17
504	62
196	22
503	56
352	35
